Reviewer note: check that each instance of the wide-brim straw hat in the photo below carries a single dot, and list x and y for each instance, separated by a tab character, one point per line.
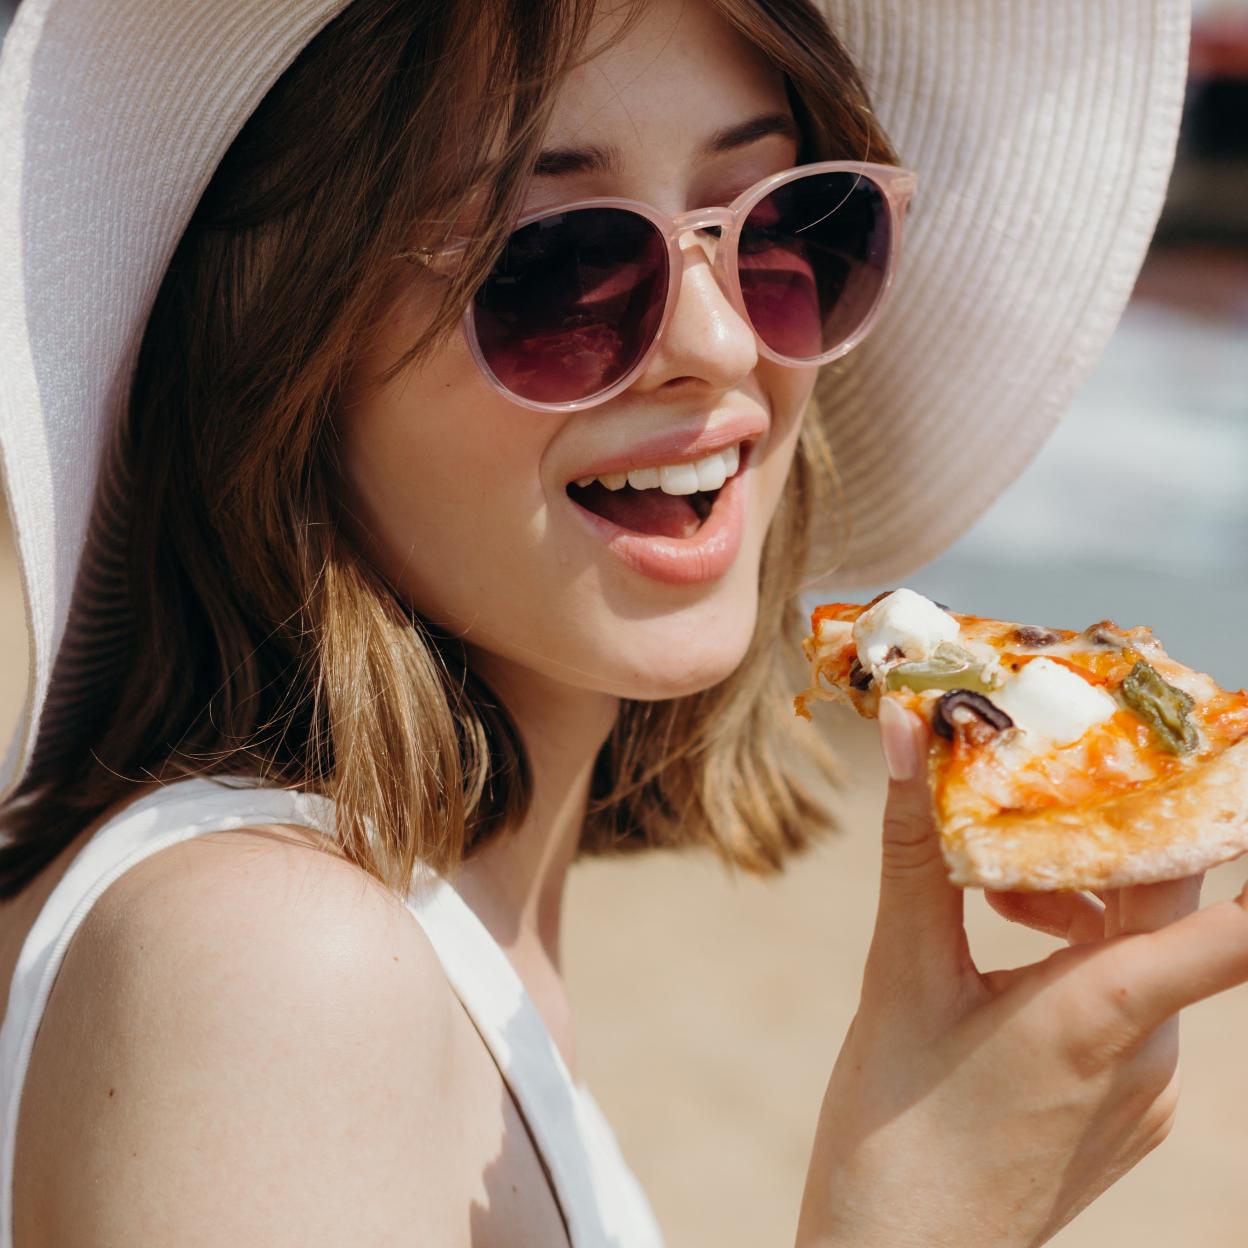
1043	134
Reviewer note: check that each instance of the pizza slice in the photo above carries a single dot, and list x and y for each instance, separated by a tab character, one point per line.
1059	759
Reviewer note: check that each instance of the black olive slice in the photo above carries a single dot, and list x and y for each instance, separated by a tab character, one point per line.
970	715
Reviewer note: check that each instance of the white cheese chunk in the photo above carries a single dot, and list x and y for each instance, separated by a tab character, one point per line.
913	624
1052	703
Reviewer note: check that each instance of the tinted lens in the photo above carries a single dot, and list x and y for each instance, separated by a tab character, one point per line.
572	304
812	260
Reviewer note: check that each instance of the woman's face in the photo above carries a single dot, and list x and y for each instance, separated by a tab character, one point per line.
462	497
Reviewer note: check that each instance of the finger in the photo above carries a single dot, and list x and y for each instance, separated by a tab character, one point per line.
920	914
1113	911
1151	976
1072	917
1147	907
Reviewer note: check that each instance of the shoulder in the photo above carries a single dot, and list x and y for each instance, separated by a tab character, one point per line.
256	917
243	1013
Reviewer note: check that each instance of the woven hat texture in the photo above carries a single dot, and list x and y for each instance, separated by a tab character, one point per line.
1043	135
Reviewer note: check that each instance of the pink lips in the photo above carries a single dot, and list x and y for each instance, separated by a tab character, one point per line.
705	556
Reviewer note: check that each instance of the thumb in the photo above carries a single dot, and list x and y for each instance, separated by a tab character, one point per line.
919	923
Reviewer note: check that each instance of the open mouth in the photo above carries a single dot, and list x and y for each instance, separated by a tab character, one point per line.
654	509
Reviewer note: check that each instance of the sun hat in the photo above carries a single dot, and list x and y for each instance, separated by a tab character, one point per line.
1043	135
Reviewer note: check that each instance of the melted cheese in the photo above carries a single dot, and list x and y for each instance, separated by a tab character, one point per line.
833	634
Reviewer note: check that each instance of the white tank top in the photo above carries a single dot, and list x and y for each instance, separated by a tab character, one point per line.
602	1203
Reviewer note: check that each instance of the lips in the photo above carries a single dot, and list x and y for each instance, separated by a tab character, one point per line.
687	539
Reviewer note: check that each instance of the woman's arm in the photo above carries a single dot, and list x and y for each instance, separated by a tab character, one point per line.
987	1110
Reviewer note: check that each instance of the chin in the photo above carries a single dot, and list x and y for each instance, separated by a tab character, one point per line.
677	666
678	687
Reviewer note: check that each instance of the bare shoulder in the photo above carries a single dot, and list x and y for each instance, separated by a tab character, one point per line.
250	1040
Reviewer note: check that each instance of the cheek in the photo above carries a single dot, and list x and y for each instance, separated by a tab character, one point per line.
435	466
789	392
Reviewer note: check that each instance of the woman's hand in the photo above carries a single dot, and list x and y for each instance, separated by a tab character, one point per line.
978	1109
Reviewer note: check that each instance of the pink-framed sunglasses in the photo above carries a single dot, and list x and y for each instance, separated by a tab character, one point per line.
583	292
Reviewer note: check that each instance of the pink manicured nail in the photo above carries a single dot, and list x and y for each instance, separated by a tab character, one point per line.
897	741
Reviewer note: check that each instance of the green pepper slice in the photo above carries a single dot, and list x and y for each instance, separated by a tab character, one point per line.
1165	708
949	667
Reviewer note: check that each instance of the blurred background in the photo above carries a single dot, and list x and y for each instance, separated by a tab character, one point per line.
710	1009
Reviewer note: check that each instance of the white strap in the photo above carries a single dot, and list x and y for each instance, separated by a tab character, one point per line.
528	1058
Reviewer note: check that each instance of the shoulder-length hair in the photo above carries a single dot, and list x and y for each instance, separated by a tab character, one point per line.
267	644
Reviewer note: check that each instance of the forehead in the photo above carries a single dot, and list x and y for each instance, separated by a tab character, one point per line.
680	72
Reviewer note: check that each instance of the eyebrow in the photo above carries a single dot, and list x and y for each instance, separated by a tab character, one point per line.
558	162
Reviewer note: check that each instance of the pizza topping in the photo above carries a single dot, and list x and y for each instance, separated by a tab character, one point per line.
950	667
1165	708
1107	635
1054	704
1035	638
970	716
1103	634
906	621
859	677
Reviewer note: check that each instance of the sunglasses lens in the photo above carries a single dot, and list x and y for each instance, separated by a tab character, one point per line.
572	304
812	260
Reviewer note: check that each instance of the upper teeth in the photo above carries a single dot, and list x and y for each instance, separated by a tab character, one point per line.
708	473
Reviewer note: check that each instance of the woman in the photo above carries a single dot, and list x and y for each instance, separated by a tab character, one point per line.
385	617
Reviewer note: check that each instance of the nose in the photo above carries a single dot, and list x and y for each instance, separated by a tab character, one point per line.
706	340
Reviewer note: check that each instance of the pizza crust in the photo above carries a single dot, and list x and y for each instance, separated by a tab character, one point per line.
1157	832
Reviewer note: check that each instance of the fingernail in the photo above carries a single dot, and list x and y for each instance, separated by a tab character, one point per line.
897	741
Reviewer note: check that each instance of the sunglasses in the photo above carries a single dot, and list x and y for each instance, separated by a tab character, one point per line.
582	293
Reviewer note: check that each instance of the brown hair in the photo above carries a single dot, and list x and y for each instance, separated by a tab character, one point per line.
268	644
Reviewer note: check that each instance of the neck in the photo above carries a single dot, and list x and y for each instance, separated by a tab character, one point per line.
515	884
